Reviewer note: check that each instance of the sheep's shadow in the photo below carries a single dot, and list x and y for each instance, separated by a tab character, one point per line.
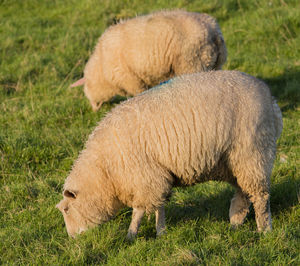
215	206
284	195
117	99
199	205
286	88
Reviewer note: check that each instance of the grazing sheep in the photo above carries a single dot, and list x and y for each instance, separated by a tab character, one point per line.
142	52
217	125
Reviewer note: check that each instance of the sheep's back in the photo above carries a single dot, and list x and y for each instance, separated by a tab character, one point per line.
155	46
186	125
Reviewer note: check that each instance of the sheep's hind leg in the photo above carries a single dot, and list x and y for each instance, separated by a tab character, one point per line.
260	198
261	204
160	221
252	168
137	215
239	208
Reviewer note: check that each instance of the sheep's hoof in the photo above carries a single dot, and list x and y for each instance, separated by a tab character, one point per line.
265	230
161	233
130	236
235	226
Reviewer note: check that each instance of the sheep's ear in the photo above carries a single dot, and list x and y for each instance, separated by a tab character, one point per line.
70	194
79	82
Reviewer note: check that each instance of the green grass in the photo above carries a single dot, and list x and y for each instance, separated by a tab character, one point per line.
44	125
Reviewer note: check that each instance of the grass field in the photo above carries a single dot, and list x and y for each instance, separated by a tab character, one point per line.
44	125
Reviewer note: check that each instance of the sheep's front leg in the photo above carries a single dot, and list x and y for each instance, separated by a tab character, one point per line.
160	221
137	215
96	105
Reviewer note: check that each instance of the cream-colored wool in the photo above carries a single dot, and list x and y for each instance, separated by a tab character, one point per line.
217	125
142	52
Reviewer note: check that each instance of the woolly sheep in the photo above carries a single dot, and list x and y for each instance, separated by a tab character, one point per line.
217	125
142	52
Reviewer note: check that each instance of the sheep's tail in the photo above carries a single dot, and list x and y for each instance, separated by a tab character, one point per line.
78	83
278	118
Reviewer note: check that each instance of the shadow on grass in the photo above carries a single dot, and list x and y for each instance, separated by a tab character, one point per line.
284	195
286	88
214	207
117	99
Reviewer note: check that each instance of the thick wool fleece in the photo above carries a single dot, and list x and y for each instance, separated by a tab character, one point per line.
217	125
142	52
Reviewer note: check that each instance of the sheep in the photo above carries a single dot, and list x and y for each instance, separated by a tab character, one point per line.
139	53
216	125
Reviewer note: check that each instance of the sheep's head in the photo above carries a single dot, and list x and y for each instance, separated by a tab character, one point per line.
93	96
75	213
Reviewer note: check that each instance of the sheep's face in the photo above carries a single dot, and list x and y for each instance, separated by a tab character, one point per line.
95	100
72	211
